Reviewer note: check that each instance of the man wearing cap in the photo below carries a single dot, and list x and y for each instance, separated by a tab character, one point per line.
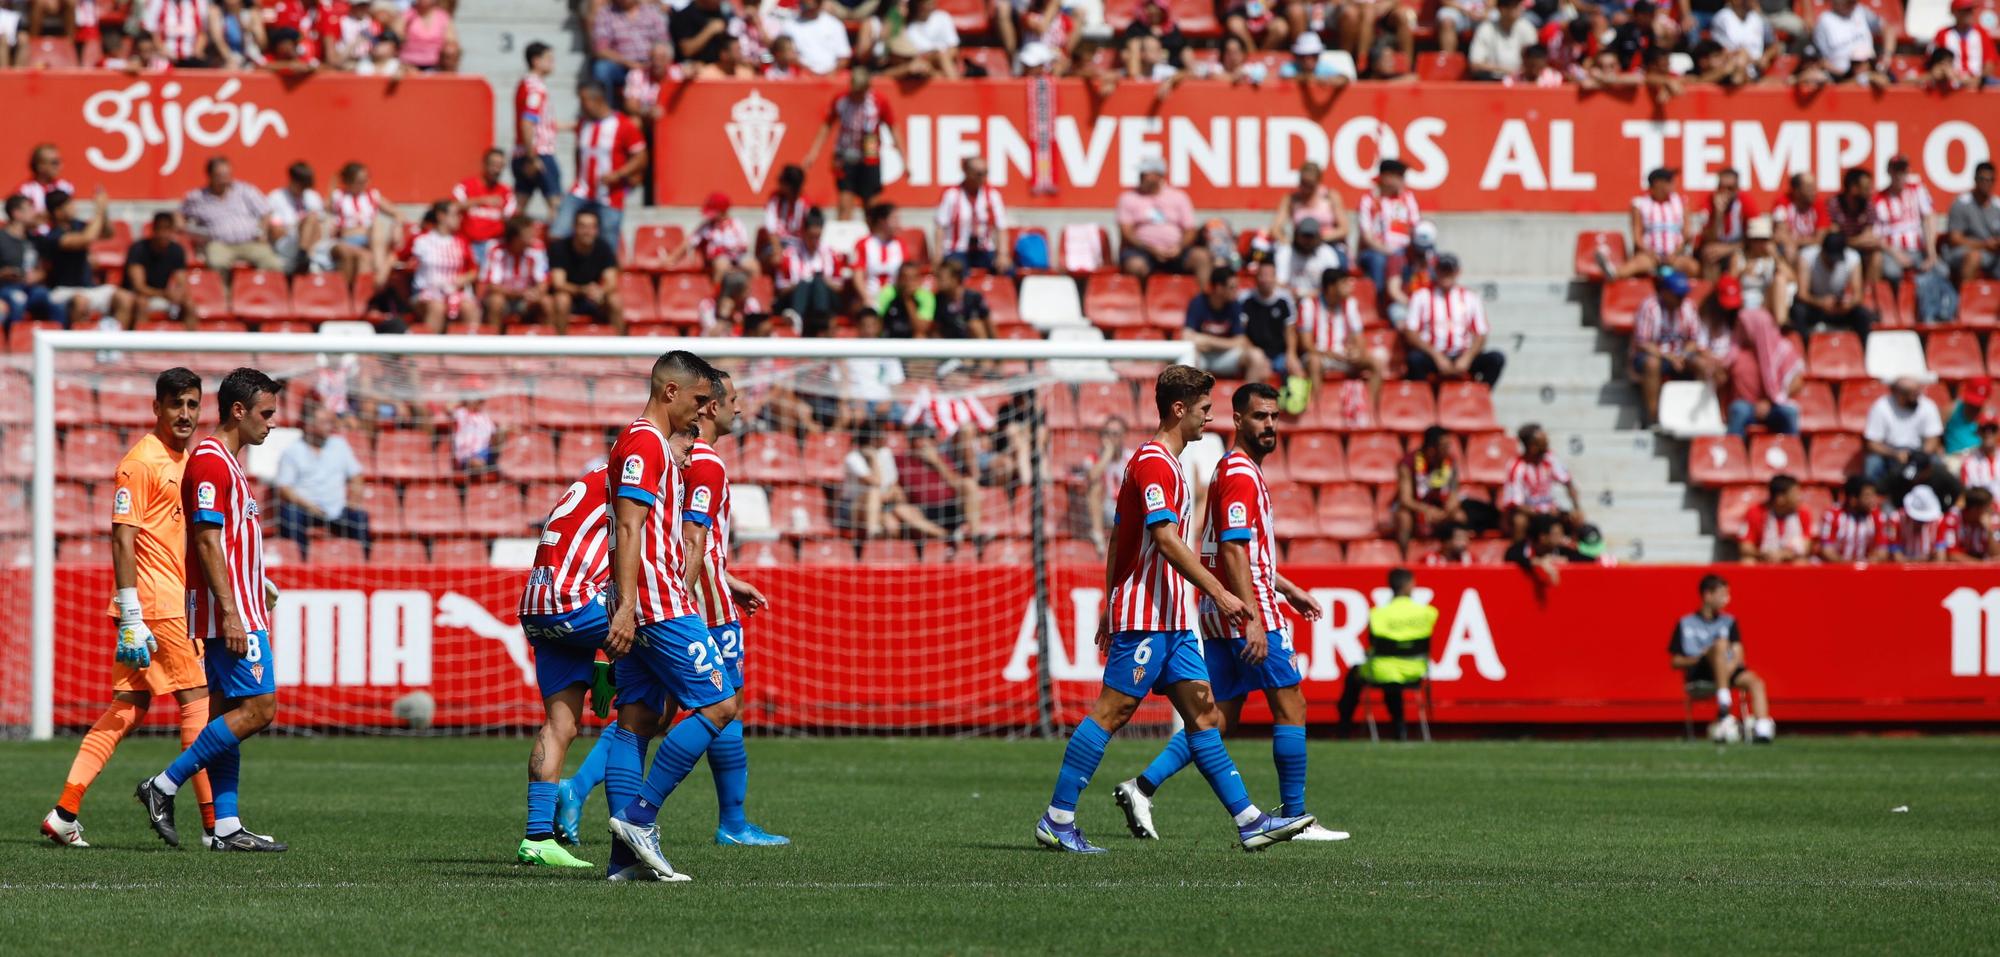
1761	372
1920	531
1900	424
1778	530
1973	230
1970	45
1659	231
1663	340
1306	258
1830	288
1961	427
1765	277
1388	217
1980	467
1446	331
1726	229
1410	270
719	245
1156	227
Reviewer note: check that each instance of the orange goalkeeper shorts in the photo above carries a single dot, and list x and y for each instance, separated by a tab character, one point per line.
176	662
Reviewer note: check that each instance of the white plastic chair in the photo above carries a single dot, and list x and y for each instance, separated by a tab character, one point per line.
1050	302
261	461
512	553
750	514
1080	370
1688	409
1896	354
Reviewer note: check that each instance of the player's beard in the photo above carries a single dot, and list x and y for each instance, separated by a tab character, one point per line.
1267	442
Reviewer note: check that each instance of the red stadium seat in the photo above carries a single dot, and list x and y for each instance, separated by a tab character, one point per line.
800	511
1487	456
1374	551
84	551
1833	458
495	509
889	552
1954	354
1297	514
1889	307
1817	412
916	246
205	288
51	53
768	458
433	508
339	551
1835	355
1406	406
1732	505
1372	457
1444	67
1347	512
1196	18
90	454
1488	551
321	297
1855	398
76	510
635	293
1715	460
1167	299
530	457
1112	301
460	551
824	458
1774	455
1001	301
127	402
1586	252
401	456
260	294
763	555
680	298
652	246
1465	407
1314	551
1316	458
826	551
1979	304
1074	552
1097	402
385	510
1618	304
990	59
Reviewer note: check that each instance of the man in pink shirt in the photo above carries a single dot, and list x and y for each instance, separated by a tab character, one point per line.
1156	226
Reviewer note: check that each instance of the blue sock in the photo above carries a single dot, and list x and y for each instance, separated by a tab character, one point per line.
590	773
541	810
214	740
1213	760
1172	759
731	766
225	774
1080	761
683	746
1288	752
624	762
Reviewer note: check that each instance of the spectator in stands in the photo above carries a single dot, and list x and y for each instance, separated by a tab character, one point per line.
1535	70
1848	36
1723	228
862	117
1103	469
514	283
156	276
45	165
1271	322
1359	23
1980	466
872	498
1970	45
1454	546
1215	326
1427	492
1851	212
784	63
143	57
1778	530
443	267
945	492
784	213
1313	199
906	308
1301	262
922	43
1766	277
1410	270
1900	424
63	246
1497	42
1857	531
1313	65
1644	29
807	270
364	224
1156	226
298	214
23	294
1927	470
624	32
1920	528
878	256
1530	487
1971	533
610	156
820	40
487	202
719	243
1749	44
286	55
430	39
183	29
1830	288
1153	20
972	222
583	276
1903	223
867	384
1387	218
385	57
1327	341
1663	341
231	221
1943	74
1961	427
318	476
1445	332
535	169
1764	369
701	30
961	312
1659	230
1797	217
1543	547
1973	228
730	309
730	64
475	439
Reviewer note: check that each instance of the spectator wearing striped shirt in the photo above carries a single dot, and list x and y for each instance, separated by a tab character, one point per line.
514	283
1967	45
877	257
230	221
1797	215
535	169
784	214
443	268
719	244
1446	331
624	32
475	438
364	224
807	269
1327	341
1857	531
1971	532
1920	529
1778	530
1659	231
1663	340
1725	228
1532	479
1980	467
972	222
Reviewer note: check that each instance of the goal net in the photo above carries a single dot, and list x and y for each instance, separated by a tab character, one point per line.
919	514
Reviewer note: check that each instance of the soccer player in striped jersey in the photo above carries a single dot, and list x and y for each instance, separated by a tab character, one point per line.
227	602
724	601
1239	544
562	613
663	652
1144	634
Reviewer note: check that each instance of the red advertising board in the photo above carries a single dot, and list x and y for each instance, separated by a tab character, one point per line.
1470	146
148	137
1836	644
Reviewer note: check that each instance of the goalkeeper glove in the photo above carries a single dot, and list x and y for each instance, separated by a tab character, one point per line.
602	691
135	641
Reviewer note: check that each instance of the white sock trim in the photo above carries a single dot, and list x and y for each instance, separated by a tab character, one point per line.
1247	815
1061	816
225	826
165	785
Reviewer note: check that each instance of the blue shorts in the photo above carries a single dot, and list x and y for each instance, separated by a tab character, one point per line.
248	675
673	663
729	638
1148	661
566	645
1233	678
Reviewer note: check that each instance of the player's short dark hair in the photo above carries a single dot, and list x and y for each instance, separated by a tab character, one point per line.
1249	391
1780	484
1178	383
171	383
1401	579
1712	582
243	385
678	364
534	52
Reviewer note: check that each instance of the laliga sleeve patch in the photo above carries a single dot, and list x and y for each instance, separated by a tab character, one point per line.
204	496
1239	516
632	471
698	502
1156	498
121	503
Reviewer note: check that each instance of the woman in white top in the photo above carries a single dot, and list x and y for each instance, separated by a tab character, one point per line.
871	494
1767	279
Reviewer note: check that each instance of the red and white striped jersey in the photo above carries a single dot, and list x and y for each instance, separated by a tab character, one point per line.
215	492
1900	215
38	192
859	123
484	222
969	221
717	239
1328	328
1448	319
1853	537
1763	528
1973	49
531	103
1801	222
355	212
1669	334
1532	485
1662	224
1972	537
1981	469
471	433
799	264
875	262
1727	226
440	258
573	562
648	474
177	24
1918	541
516	272
708	505
1148	594
785	218
1392	220
1239	510
602	146
948	414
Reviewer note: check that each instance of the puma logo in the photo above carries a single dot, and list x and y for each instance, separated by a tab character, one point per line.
457	611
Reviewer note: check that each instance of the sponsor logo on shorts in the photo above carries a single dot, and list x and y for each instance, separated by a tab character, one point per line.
1156	497
715	678
204	495
121	503
1239	516
698	502
632	471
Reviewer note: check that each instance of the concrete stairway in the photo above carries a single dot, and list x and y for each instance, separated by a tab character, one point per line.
495	32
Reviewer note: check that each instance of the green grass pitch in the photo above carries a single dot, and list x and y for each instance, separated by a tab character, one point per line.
925	847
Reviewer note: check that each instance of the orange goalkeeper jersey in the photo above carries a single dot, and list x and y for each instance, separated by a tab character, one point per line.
148	498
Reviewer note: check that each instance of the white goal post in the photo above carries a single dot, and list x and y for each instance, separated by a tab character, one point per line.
1071	359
